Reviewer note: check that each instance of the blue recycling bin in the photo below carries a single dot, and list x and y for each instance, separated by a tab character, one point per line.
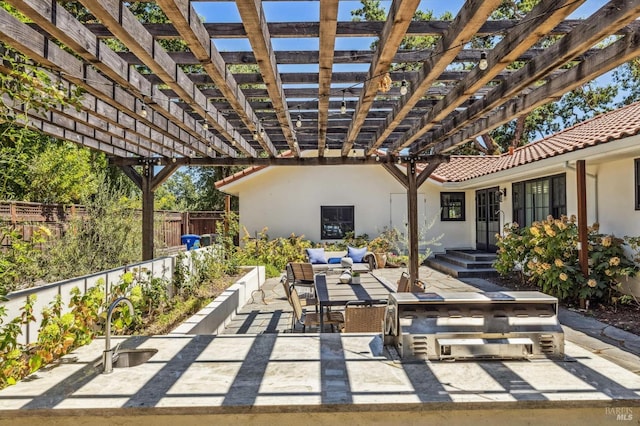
191	241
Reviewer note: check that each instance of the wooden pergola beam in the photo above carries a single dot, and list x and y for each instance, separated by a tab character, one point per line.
188	24
283	161
542	18
298	57
612	16
610	57
328	28
111	100
130	31
233	30
400	15
254	22
466	24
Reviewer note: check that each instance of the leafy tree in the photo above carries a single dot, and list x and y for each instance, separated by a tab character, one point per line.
62	173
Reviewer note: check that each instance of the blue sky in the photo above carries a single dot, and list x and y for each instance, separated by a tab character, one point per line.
301	11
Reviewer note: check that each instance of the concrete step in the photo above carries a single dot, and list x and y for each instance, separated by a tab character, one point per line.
458	267
473	255
465	262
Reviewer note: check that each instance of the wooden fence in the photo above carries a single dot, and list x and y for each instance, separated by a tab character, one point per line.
170	225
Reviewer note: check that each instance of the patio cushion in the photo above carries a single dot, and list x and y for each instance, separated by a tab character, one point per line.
316	255
357	254
334	260
346	262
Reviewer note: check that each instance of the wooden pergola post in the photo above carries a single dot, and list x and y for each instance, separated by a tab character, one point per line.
411	181
412	219
148	182
583	238
147	213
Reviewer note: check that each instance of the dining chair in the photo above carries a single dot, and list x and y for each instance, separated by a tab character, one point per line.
403	283
362	318
312	319
301	274
305	301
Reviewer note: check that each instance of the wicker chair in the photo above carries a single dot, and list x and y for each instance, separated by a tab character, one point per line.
301	275
360	318
312	319
403	283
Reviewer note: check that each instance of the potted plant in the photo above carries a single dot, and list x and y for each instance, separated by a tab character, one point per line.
382	245
355	277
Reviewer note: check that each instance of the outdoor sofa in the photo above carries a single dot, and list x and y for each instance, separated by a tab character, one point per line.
322	260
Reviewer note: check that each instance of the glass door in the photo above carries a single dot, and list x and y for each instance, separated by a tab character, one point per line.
487	219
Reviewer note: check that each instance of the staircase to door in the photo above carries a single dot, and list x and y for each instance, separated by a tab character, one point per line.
464	263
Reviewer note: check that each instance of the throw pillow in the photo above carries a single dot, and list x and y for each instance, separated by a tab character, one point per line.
316	255
346	262
357	254
334	260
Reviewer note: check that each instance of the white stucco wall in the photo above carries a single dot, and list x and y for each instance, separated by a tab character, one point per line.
288	199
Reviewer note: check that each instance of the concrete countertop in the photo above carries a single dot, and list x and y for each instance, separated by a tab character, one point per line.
292	372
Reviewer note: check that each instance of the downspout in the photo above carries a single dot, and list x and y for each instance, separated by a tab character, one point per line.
595	180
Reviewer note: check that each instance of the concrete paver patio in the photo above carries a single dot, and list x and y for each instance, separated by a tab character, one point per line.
258	372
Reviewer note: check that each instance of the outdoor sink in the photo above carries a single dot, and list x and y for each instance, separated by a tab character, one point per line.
131	357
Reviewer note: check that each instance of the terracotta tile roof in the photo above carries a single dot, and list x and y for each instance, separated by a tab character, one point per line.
606	127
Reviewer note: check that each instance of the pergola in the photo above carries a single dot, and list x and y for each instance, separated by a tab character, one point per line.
147	107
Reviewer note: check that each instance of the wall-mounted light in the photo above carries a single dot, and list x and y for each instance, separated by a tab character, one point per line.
483	64
501	194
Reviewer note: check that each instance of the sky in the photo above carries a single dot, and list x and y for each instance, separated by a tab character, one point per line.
308	11
301	11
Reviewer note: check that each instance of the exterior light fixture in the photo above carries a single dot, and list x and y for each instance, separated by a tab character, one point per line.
403	87
483	64
233	142
343	105
377	158
261	132
299	121
143	110
205	125
255	136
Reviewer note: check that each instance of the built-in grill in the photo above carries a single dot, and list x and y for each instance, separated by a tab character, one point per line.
462	325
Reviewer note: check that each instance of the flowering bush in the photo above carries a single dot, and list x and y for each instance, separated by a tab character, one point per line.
546	255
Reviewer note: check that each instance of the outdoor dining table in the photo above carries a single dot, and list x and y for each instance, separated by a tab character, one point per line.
331	292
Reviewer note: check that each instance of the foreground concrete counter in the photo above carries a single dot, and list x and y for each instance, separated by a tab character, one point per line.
325	378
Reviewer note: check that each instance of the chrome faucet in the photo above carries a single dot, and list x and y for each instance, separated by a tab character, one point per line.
107	356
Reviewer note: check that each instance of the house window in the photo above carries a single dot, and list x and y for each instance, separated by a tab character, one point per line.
336	222
534	200
637	175
451	206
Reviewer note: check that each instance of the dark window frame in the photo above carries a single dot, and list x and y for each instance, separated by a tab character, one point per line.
636	164
556	202
340	226
446	203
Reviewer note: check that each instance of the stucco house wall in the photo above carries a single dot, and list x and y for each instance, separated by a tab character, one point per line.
288	200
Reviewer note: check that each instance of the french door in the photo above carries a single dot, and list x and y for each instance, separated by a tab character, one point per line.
487	219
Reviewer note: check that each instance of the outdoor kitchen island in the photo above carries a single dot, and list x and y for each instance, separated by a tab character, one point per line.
326	378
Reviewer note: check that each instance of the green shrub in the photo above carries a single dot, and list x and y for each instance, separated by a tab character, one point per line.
546	255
